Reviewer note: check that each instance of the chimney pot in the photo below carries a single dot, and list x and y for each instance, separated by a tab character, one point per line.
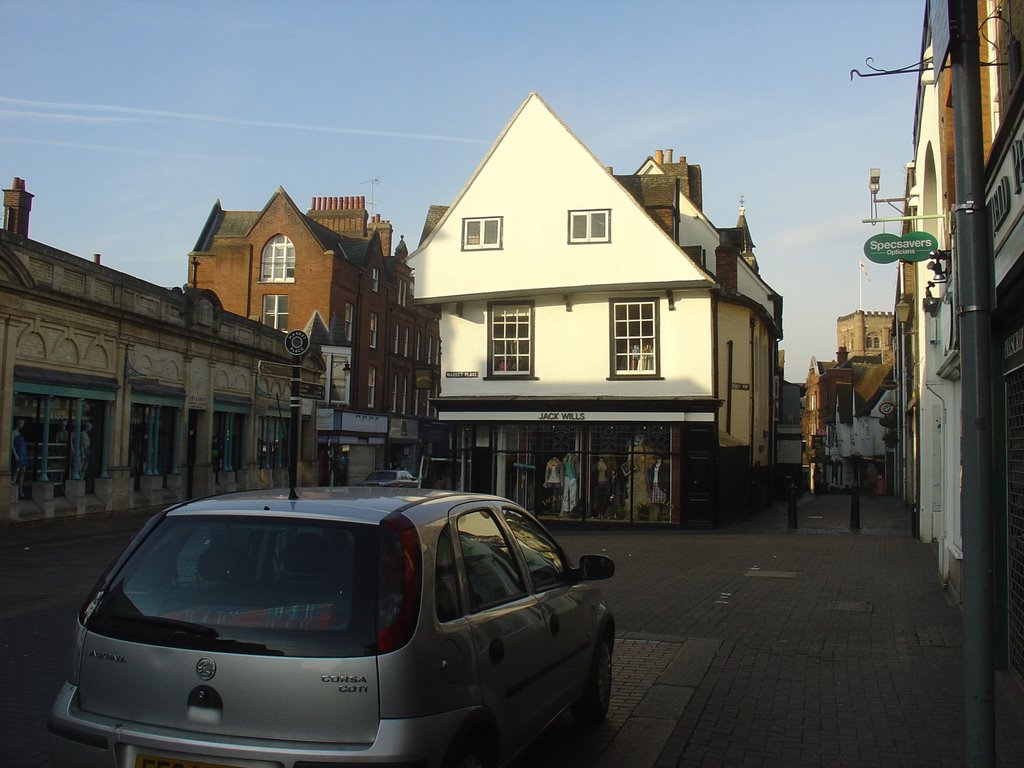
95	258
668	155
659	156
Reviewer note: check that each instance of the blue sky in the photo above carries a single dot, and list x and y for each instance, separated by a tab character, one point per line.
128	119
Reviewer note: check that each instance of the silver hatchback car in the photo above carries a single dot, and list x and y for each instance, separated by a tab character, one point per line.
353	626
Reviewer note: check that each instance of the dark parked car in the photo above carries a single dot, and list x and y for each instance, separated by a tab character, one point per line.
390	478
351	626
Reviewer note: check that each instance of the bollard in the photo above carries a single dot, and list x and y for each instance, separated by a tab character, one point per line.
855	509
792	504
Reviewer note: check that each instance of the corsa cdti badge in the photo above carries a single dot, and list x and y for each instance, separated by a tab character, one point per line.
206	668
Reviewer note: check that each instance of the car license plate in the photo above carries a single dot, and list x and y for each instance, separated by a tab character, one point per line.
153	761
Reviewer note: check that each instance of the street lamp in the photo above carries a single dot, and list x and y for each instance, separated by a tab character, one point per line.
903	310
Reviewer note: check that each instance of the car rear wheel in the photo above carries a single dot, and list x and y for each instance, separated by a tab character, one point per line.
592	706
471	753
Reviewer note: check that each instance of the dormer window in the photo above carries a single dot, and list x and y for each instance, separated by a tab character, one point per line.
277	264
481	234
590	226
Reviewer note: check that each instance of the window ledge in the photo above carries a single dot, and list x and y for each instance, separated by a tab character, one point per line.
524	377
645	377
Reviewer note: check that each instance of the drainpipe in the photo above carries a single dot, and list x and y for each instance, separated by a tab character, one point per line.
974	278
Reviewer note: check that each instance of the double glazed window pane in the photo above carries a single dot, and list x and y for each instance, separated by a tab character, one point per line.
482	233
588	227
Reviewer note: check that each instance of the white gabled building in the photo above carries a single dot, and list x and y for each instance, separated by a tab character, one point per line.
581	360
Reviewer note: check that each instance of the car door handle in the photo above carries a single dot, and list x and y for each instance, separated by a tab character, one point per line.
496	651
555	624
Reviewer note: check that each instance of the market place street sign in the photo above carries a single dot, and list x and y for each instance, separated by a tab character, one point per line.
887	248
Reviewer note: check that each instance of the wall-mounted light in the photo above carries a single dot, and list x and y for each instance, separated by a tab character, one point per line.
929	302
939	265
567	299
874	180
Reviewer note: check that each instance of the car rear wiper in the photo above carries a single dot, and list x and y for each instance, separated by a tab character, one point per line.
175	625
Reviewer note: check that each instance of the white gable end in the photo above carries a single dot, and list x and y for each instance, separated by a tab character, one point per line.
534	175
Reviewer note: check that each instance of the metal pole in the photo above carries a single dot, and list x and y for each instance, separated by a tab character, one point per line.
296	415
974	281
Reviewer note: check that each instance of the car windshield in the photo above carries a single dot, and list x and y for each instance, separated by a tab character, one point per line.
248	585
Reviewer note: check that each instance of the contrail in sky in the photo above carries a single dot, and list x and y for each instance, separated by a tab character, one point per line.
115	112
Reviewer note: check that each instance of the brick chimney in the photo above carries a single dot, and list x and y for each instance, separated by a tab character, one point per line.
725	266
17	206
344	215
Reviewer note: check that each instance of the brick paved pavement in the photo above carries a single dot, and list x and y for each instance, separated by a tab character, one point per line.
813	647
750	646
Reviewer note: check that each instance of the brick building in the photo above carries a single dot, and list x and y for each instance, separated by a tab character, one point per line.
330	272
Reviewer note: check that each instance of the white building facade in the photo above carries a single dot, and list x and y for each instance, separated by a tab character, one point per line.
578	337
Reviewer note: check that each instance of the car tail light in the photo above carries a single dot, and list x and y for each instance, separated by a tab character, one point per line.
398	596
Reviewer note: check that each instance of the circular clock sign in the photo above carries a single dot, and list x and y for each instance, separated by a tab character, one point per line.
886	408
296	342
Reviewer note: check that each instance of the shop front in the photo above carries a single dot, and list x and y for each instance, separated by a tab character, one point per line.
348	445
597	465
59	440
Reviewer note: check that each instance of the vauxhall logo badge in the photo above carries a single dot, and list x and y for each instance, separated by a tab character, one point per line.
206	668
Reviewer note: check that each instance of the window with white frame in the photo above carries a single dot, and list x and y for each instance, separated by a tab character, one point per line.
275	312
511	339
375	279
394	394
634	338
419	345
350	313
590	226
277	264
373	330
405	341
394	347
338	387
481	234
402	292
371	386
430	349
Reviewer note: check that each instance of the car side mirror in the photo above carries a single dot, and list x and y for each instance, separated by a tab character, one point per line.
594	567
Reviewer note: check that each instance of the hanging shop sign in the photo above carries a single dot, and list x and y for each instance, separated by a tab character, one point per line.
887	248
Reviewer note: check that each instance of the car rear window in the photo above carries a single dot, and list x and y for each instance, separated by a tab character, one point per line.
257	585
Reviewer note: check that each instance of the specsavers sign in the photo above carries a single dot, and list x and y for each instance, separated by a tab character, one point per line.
887	248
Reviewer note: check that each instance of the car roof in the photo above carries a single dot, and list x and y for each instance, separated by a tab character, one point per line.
360	504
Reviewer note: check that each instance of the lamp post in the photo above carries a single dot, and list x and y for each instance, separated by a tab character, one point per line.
902	308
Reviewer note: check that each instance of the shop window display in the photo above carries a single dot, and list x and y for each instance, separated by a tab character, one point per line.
615	473
60	440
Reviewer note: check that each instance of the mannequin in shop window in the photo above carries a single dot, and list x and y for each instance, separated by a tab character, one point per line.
553	477
658	484
602	486
19	457
570	473
642	464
